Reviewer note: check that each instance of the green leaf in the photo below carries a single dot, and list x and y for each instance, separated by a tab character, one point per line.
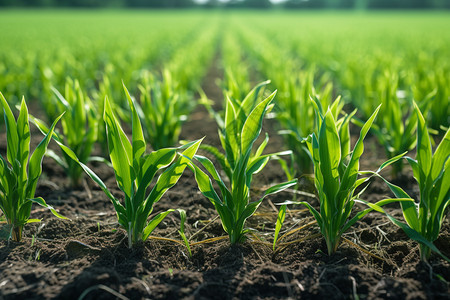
120	151
372	206
261	147
60	97
256	166
35	164
23	132
314	212
391	161
280	220
11	130
42	203
152	163
253	124
181	231
208	165
22	214
182	218
351	173
279	187
118	207
138	142
219	157
44	128
88	171
329	158
409	208
50	153
171	175
344	135
206	188
4	177
415	167
154	222
204	184
423	146
35	220
440	156
318	108
231	133
250	100
248	211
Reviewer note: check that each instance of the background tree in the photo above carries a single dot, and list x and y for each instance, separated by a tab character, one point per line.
304	4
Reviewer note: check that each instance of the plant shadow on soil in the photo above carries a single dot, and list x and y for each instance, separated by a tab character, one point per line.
88	256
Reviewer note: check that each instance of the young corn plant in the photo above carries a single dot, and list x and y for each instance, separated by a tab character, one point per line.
19	173
336	170
396	123
79	130
236	82
296	113
182	233
432	172
242	126
242	109
135	172
163	109
432	92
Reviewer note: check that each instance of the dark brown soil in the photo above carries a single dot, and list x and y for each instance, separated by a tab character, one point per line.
88	257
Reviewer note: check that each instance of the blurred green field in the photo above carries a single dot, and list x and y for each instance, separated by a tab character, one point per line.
39	49
36	38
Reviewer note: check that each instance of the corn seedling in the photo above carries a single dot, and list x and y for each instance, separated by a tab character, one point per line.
432	172
241	109
79	130
296	113
242	126
236	83
19	173
280	220
336	170
163	109
182	233
432	92
396	123
135	172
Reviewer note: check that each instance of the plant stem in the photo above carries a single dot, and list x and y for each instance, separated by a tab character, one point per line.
130	233
17	233
332	243
425	252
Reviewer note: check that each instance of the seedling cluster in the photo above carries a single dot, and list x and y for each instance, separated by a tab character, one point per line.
137	119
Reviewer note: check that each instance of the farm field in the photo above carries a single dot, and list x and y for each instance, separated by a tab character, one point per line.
188	221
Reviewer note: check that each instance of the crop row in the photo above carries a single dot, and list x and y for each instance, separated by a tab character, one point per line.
368	71
397	101
391	60
336	169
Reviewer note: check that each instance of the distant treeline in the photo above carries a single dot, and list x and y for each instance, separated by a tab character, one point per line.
263	4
